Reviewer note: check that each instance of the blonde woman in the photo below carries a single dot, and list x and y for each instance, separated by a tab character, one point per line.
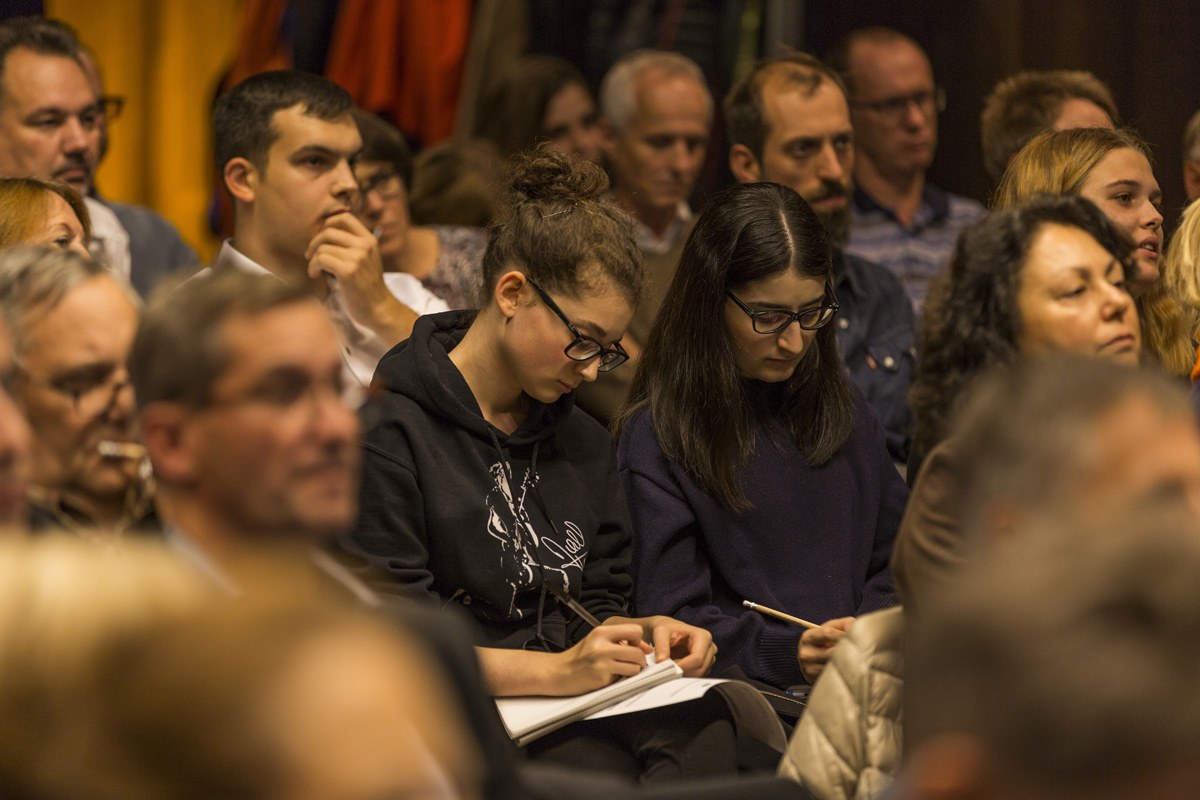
1112	168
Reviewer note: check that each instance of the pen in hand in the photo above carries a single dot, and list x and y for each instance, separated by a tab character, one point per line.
770	612
585	615
574	605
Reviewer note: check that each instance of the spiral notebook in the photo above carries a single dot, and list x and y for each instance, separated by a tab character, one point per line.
529	718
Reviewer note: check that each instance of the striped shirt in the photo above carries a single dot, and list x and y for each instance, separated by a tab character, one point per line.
916	253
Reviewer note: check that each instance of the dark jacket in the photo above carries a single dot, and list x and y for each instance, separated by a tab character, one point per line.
876	334
454	510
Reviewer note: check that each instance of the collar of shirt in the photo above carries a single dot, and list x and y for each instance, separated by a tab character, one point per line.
649	242
361	348
935	206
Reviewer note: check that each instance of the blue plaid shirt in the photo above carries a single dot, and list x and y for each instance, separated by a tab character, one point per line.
914	253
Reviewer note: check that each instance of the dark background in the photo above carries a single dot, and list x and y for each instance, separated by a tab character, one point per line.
1145	51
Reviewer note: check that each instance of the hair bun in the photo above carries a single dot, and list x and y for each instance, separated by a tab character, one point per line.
547	175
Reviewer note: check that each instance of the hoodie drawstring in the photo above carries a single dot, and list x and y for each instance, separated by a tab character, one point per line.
508	470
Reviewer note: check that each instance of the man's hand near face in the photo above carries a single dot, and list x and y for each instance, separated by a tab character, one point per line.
346	250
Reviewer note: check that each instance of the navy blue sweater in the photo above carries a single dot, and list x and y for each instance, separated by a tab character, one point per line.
816	542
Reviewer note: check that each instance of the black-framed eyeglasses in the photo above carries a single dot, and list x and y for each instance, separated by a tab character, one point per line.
111	106
584	348
774	321
92	391
386	183
927	101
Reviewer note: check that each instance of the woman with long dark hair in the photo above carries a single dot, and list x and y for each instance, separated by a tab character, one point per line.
485	489
753	470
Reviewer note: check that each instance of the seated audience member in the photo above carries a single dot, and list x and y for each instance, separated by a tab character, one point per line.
14	444
445	258
658	114
541	98
72	324
1076	681
43	212
754	470
901	221
1191	158
1181	268
1045	276
291	700
789	123
53	126
457	182
484	489
1112	169
132	682
1054	437
1025	104
239	387
62	603
284	143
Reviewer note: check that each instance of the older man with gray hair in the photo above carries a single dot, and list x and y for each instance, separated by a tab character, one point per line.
72	324
658	113
1191	158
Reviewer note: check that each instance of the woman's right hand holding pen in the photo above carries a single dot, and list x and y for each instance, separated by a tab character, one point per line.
816	646
607	653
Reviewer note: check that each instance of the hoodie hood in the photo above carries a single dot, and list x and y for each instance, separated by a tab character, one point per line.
418	368
451	506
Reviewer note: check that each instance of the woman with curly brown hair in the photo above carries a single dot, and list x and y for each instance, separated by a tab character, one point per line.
1044	276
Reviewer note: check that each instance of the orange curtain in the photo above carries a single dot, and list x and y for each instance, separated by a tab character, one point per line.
166	57
404	58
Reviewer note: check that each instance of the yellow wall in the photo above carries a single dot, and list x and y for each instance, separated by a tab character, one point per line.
165	57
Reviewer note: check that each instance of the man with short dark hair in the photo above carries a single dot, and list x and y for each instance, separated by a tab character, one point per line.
789	123
1025	104
52	125
900	221
238	380
285	143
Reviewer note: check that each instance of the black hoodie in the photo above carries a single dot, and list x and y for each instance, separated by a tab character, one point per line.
443	517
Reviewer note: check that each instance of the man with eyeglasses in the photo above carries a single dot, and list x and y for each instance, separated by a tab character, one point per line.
53	118
899	220
789	123
72	324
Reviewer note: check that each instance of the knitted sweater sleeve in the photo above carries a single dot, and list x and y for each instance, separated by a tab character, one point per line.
673	575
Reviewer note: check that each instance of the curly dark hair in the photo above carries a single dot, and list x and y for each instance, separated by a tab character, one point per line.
971	320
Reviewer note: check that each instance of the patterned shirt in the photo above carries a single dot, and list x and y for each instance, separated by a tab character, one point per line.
916	253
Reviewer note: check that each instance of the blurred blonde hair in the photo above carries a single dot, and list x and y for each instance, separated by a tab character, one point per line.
1181	270
63	601
1058	162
